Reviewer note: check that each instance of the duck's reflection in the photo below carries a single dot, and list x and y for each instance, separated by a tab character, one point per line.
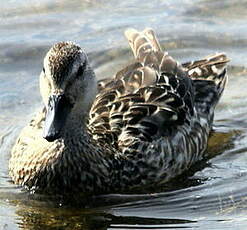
44	218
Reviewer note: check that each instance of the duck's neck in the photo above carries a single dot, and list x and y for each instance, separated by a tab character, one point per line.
75	123
82	161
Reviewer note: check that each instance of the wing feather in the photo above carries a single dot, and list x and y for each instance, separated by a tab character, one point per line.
155	95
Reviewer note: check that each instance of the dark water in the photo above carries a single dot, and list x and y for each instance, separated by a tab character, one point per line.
213	195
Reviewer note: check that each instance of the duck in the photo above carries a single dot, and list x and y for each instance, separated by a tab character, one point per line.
140	128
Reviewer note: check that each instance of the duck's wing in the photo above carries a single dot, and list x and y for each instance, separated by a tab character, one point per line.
155	96
146	100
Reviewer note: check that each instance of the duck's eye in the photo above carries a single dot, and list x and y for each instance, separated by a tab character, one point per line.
80	70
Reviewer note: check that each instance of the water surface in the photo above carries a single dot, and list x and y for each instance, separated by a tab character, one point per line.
213	195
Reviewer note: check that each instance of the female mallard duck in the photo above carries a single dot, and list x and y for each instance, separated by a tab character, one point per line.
145	126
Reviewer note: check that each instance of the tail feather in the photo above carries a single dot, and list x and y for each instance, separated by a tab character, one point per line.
143	42
209	77
147	50
152	39
209	68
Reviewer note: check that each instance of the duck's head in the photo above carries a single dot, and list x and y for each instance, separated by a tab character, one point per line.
67	85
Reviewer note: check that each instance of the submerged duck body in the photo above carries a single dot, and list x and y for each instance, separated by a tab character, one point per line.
143	127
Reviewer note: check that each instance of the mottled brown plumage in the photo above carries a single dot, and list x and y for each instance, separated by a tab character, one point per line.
146	125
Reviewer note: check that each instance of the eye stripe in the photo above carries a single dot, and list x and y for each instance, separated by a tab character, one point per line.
80	71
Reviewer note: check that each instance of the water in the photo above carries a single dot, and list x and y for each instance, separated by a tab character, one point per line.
214	194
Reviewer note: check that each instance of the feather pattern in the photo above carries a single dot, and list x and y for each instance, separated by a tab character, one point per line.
152	97
158	109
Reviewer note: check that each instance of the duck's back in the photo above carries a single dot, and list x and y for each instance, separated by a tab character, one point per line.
155	97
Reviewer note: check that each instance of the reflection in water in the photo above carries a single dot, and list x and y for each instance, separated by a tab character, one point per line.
64	219
212	194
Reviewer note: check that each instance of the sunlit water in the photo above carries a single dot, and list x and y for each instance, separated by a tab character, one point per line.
213	195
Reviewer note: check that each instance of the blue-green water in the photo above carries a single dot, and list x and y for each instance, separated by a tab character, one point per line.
214	194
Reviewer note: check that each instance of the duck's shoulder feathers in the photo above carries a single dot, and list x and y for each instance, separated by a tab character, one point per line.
141	102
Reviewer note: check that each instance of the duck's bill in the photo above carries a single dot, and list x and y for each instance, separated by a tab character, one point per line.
58	110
